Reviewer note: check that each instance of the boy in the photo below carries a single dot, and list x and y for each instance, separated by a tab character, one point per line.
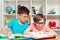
39	26
18	26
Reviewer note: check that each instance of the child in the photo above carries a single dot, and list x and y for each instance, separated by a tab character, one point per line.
39	26
18	26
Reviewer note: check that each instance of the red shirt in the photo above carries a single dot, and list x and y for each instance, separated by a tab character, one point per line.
33	27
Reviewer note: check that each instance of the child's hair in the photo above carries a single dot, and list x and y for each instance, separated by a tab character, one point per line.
23	10
38	17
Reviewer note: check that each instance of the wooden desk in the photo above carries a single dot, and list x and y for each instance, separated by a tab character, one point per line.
47	38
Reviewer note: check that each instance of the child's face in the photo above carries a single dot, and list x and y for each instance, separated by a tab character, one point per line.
41	23
23	17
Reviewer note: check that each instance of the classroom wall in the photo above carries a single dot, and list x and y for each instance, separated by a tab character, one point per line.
0	16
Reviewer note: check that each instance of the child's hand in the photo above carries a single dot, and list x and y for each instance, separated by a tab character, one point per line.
51	33
9	33
18	34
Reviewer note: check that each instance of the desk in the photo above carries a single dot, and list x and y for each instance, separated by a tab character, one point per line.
29	38
47	38
4	37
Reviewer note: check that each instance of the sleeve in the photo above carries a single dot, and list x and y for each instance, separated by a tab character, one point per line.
47	29
10	24
31	28
28	30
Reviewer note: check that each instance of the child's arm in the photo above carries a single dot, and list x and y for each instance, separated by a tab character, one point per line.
26	31
49	31
29	30
6	31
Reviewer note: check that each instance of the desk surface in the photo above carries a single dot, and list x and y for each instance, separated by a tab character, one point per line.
46	38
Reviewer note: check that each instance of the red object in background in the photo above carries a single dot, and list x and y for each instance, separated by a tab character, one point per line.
52	24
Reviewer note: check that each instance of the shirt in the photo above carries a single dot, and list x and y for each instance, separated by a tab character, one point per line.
16	27
33	27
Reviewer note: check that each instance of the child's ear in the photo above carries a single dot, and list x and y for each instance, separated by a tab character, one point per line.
18	15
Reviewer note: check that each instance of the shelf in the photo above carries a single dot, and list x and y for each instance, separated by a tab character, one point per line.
34	14
9	0
9	14
38	0
52	14
23	0
59	17
52	17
